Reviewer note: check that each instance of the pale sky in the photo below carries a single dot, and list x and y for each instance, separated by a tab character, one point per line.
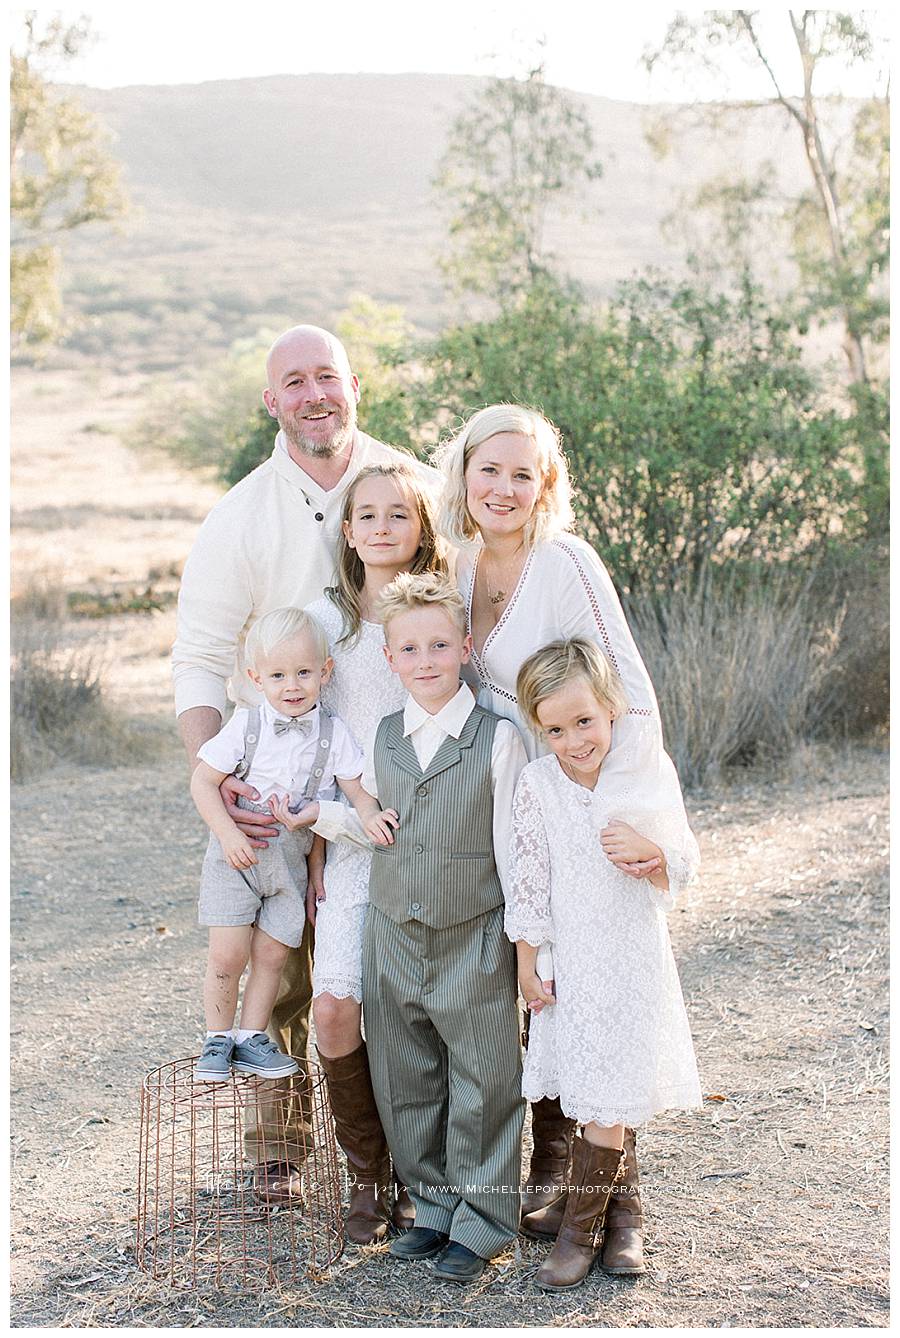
590	47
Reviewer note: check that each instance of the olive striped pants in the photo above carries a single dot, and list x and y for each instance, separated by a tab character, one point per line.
443	1039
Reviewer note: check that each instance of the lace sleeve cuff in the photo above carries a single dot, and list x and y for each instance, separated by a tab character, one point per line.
533	932
681	870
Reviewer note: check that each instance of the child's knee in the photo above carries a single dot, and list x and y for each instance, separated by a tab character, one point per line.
331	1014
228	959
268	952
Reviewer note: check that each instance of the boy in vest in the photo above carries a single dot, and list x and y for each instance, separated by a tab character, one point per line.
439	981
254	900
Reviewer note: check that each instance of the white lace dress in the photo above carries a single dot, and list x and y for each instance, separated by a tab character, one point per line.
564	591
616	1046
361	690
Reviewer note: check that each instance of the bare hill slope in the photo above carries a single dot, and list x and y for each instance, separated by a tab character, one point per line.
261	200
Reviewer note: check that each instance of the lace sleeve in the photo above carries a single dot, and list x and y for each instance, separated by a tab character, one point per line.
669	828
528	905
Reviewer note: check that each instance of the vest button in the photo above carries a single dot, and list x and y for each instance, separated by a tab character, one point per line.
422	791
415	906
420	850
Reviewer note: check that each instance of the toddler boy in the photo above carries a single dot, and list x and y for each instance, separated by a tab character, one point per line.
254	900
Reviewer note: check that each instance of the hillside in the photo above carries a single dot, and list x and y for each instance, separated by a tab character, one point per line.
261	201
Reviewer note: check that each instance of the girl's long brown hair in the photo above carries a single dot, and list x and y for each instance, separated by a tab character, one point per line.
351	571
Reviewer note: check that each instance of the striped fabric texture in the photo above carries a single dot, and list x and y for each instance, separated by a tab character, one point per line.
439	991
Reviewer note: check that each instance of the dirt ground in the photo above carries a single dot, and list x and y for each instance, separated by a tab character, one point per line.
769	1207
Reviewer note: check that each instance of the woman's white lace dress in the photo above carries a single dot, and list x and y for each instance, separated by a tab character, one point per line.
616	1046
361	690
564	591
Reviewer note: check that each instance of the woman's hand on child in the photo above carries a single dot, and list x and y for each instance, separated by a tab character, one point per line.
537	993
379	827
293	821
238	850
629	851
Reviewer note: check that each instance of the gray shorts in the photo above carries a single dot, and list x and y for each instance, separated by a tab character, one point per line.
270	894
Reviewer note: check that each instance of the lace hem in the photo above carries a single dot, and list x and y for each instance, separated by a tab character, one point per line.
338	989
535	938
680	1098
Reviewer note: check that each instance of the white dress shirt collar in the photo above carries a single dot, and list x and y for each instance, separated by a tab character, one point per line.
451	718
270	715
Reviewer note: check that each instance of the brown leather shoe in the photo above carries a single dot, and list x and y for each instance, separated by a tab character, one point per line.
359	1132
278	1182
594	1172
403	1215
552	1134
623	1240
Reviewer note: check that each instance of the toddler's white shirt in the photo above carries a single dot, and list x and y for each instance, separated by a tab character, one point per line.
282	762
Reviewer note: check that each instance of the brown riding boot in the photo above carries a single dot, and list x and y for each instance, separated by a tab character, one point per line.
403	1215
623	1241
594	1172
358	1129
545	1190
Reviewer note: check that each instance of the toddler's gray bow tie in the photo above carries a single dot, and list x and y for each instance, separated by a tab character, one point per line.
298	722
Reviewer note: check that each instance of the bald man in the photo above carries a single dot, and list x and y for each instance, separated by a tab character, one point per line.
270	543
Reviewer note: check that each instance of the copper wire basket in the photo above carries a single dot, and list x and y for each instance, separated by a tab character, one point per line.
201	1218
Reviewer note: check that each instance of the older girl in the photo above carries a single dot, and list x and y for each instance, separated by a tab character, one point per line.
387	527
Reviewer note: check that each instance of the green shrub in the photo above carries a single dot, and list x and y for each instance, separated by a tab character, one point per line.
695	435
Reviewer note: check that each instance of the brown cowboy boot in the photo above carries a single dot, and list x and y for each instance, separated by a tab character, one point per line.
594	1172
403	1215
359	1132
623	1241
552	1133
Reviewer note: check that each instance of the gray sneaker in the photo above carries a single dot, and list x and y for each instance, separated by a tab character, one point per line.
260	1055
214	1064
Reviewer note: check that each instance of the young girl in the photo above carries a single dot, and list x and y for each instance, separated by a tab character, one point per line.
609	1032
387	527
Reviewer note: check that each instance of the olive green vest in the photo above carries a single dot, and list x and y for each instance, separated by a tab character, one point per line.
440	869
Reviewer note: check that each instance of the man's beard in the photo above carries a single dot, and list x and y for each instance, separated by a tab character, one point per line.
322	447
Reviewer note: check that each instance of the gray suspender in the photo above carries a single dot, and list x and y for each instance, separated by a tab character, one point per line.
314	783
251	742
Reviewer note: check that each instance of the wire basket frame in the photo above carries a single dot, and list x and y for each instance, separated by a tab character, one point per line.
200	1218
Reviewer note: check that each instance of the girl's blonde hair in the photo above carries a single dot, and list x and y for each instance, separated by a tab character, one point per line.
553	509
350	576
555	665
280	625
425	591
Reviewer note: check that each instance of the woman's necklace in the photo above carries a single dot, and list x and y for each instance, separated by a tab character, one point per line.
499	596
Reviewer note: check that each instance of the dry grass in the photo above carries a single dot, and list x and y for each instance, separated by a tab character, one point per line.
855	693
58	711
766	1208
736	671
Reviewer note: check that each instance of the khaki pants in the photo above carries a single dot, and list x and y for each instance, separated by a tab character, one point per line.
279	1130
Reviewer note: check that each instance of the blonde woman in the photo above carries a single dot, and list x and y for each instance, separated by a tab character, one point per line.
527	581
387	526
